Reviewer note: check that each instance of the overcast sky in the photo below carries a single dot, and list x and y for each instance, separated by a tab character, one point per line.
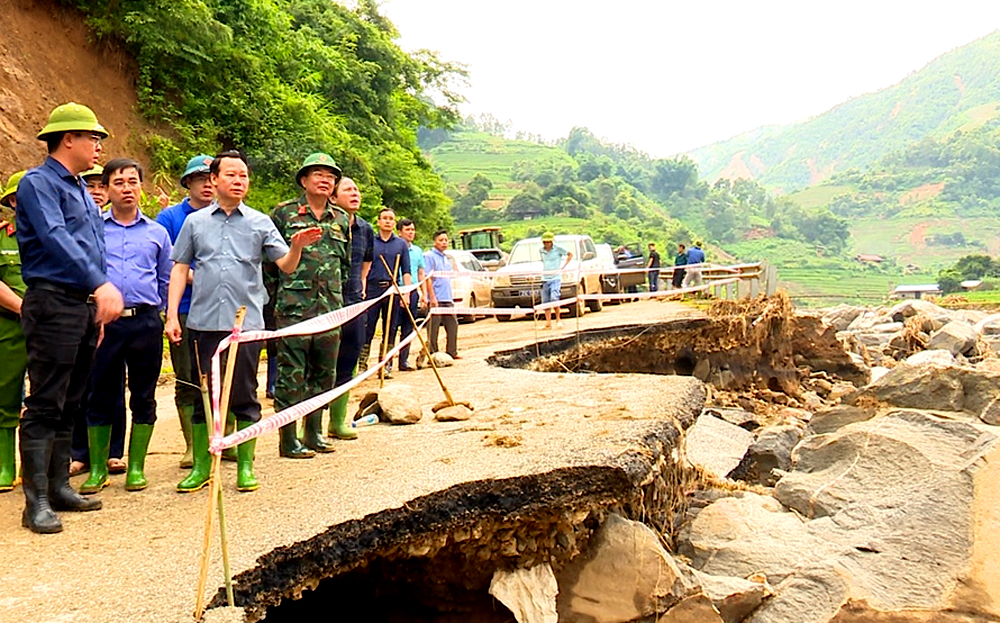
666	75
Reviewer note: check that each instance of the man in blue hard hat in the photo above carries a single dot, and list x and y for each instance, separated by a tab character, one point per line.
69	298
198	183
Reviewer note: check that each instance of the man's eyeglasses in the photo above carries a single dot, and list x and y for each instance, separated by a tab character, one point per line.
97	139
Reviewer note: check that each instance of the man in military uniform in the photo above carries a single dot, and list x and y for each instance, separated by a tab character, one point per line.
94	179
12	350
69	297
307	365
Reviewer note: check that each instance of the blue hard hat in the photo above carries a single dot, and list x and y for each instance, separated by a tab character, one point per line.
199	164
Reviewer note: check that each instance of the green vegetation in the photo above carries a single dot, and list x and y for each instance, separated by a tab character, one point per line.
957	91
280	79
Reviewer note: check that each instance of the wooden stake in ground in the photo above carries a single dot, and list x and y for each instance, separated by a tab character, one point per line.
388	319
214	491
423	344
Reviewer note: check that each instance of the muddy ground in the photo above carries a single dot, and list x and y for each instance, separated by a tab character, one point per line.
137	559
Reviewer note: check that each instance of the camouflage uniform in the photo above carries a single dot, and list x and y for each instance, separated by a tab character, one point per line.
13	352
307	365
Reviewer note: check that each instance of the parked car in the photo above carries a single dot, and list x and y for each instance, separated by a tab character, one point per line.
472	287
519	283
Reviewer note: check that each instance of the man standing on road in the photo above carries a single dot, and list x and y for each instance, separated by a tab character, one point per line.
307	364
61	241
439	295
408	231
227	241
196	180
138	252
348	198
677	279
694	256
389	250
553	265
653	266
12	351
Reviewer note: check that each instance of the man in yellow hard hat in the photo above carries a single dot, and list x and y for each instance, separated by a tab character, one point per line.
12	352
95	185
60	237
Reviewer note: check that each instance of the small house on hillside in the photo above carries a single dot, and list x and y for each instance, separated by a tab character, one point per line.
916	291
869	258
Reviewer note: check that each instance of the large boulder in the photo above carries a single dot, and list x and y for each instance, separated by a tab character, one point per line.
957	337
834	418
716	446
772	451
939	357
400	404
734	598
907	309
933	387
841	316
988	326
530	594
625	574
814	594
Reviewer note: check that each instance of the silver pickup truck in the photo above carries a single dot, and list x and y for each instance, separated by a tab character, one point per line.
519	283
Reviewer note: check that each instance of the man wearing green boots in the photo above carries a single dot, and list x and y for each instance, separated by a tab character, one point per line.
138	264
200	193
12	349
307	365
227	241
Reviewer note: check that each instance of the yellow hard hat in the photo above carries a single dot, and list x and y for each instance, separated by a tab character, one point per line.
11	187
72	117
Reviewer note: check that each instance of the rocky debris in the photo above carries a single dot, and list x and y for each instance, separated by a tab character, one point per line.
399	404
696	608
442	359
625	574
453	413
530	594
734	598
815	594
716	446
988	326
834	418
958	388
841	316
937	357
771	451
956	337
738	417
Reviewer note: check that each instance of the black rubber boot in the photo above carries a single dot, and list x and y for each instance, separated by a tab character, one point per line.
62	497
38	516
289	445
313	438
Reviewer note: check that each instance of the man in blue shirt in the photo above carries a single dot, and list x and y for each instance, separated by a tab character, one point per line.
227	240
694	256
347	197
392	251
552	265
200	193
138	252
439	295
408	231
60	237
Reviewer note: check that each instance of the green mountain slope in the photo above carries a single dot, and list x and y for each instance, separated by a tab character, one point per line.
959	90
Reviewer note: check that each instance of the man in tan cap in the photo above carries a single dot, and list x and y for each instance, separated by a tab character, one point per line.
61	242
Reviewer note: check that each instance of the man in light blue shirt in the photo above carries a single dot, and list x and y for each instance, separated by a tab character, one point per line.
439	295
552	264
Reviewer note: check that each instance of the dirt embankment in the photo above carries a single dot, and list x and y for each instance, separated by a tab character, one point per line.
47	59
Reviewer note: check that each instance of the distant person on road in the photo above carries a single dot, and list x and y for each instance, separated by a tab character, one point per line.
553	264
227	241
392	251
694	256
439	295
348	198
653	266
408	231
681	259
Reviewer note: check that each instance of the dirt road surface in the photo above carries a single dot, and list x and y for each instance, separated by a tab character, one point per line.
137	559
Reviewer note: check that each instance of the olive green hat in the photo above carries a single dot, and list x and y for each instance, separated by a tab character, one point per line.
72	117
11	188
548	237
202	163
318	159
98	170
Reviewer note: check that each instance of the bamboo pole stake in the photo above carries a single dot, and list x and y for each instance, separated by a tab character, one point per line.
423	344
214	484
388	318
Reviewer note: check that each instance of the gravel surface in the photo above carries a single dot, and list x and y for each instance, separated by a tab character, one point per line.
137	559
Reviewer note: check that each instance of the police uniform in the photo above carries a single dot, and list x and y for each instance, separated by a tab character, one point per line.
12	353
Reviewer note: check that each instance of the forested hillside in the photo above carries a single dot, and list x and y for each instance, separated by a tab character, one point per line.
279	80
959	90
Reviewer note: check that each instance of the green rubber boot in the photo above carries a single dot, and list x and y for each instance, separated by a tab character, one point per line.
339	426
229	454
8	468
314	433
201	471
245	480
138	445
289	445
184	414
99	441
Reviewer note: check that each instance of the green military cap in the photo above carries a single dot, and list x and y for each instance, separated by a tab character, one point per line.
72	117
318	159
11	188
201	163
98	170
548	237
